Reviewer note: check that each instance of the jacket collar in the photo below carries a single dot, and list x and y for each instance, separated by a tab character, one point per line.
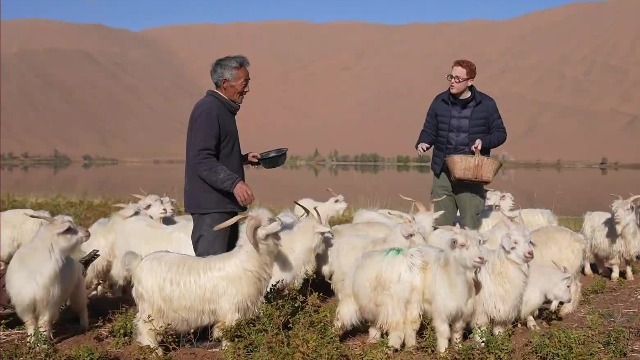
230	105
446	95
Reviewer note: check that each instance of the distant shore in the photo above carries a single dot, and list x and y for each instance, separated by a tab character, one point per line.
58	159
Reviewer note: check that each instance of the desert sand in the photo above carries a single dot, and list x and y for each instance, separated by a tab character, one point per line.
563	78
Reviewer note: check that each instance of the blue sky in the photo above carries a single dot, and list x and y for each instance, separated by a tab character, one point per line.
141	14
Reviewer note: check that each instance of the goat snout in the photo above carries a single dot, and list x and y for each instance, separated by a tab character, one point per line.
480	260
529	255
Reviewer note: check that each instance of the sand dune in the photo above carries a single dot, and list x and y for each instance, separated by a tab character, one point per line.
563	79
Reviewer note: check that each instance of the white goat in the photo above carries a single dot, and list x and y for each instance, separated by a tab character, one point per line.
334	207
347	249
502	281
144	236
299	246
371	230
409	281
385	216
565	248
384	291
449	288
227	287
42	276
16	230
546	282
553	244
532	218
103	239
612	237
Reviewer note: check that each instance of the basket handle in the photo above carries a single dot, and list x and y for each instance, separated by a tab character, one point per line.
476	163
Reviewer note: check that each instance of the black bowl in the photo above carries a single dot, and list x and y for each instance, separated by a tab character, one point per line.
273	158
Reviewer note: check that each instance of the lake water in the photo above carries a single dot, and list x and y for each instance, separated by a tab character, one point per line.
566	191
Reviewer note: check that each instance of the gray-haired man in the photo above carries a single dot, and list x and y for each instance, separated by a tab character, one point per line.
214	186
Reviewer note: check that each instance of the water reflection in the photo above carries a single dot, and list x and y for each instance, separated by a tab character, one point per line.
567	191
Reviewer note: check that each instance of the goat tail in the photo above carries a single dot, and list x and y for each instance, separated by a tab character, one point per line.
347	314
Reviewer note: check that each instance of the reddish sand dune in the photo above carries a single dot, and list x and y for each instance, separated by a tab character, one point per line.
563	79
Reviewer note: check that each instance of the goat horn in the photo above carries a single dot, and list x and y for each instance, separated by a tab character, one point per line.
144	192
120	205
49	219
403	218
632	198
433	206
307	211
332	192
137	196
399	214
619	197
420	205
231	221
318	213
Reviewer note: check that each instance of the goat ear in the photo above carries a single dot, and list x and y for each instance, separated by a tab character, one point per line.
438	214
130	211
48	219
61	228
252	228
506	242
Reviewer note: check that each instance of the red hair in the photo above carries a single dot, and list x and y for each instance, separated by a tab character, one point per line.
468	66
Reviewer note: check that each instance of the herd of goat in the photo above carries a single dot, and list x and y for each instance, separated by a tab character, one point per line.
388	269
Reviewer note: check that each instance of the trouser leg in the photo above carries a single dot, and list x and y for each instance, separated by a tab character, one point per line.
207	241
470	198
442	187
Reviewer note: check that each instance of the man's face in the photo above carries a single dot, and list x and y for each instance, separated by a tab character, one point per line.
459	74
238	87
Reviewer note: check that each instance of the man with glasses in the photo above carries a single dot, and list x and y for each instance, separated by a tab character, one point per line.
460	120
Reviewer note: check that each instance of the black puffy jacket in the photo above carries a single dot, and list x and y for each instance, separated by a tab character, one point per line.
482	122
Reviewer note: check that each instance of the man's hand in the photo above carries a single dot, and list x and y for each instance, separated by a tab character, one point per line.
243	193
477	146
423	148
252	159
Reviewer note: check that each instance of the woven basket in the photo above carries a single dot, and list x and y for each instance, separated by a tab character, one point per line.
473	168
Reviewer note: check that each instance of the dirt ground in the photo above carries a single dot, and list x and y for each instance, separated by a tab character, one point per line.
617	304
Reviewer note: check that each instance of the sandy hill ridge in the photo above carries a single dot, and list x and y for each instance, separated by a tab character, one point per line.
563	78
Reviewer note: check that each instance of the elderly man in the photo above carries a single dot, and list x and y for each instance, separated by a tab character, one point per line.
214	186
460	120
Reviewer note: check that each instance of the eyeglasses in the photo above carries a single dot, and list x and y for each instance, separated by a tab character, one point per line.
457	79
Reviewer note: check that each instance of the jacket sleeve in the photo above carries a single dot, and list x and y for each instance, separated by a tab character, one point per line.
497	132
206	137
429	128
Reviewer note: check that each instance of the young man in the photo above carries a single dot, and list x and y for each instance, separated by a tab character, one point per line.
214	187
460	120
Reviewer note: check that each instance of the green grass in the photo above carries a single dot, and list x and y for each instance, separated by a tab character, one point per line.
297	324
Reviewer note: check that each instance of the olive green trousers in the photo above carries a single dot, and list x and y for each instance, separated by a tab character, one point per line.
463	196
